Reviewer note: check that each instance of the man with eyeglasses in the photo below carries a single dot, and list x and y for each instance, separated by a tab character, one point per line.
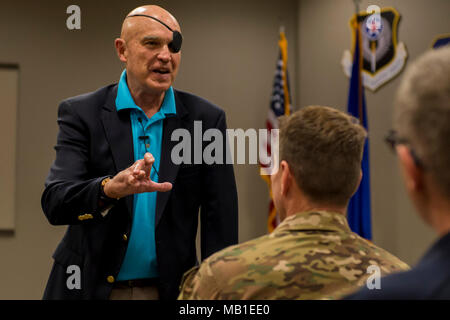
421	140
132	212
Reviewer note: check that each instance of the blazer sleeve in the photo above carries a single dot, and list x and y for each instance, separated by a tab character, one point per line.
71	196
219	203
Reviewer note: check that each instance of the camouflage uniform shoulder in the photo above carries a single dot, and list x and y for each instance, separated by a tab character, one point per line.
389	262
205	281
311	255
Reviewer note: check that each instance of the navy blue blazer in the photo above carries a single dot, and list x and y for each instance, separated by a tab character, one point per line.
95	141
429	279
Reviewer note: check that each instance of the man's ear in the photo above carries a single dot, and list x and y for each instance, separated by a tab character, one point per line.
286	177
359	181
121	49
412	174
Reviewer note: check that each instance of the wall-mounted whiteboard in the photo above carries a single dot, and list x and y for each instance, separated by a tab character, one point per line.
9	83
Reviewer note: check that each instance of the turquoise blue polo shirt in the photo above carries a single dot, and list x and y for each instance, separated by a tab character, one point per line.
140	258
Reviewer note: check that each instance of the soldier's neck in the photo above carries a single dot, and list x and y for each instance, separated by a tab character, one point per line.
296	205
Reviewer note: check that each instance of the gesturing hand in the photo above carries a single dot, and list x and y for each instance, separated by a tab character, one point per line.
135	179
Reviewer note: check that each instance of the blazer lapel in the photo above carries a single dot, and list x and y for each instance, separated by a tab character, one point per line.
167	169
117	126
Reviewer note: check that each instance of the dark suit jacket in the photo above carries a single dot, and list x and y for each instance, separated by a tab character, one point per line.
430	279
94	141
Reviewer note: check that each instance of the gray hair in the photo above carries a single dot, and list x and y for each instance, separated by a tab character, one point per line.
422	113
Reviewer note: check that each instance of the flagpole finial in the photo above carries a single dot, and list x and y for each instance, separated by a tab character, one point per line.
356	3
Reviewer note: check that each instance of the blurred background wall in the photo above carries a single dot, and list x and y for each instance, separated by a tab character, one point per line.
229	57
323	35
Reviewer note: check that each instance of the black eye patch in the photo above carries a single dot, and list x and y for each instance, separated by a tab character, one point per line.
177	38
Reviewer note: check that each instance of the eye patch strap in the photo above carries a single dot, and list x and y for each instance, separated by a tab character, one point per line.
177	38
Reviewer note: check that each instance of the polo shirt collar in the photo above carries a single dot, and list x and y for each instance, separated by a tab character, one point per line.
124	100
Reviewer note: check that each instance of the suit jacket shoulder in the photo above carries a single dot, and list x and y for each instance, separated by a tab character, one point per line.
198	108
92	101
430	279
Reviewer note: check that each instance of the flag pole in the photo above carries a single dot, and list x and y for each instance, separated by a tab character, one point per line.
356	3
279	105
356	26
359	208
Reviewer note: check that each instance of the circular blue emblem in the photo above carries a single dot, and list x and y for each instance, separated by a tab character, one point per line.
373	26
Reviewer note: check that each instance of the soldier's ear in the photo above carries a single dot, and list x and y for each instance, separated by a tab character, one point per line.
286	177
359	181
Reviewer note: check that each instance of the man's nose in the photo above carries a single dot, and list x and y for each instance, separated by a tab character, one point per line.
165	54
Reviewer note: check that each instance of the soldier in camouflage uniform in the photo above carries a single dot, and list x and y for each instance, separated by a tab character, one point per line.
312	254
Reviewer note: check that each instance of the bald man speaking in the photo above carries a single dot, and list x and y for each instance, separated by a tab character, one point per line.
132	212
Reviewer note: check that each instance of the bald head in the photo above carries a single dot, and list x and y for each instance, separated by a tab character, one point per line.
150	47
131	25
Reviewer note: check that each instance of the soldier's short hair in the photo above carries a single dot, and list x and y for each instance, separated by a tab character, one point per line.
323	147
422	113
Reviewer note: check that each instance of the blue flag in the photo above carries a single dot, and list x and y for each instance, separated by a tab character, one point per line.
359	212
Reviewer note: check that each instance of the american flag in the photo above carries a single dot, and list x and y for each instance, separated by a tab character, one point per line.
280	105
